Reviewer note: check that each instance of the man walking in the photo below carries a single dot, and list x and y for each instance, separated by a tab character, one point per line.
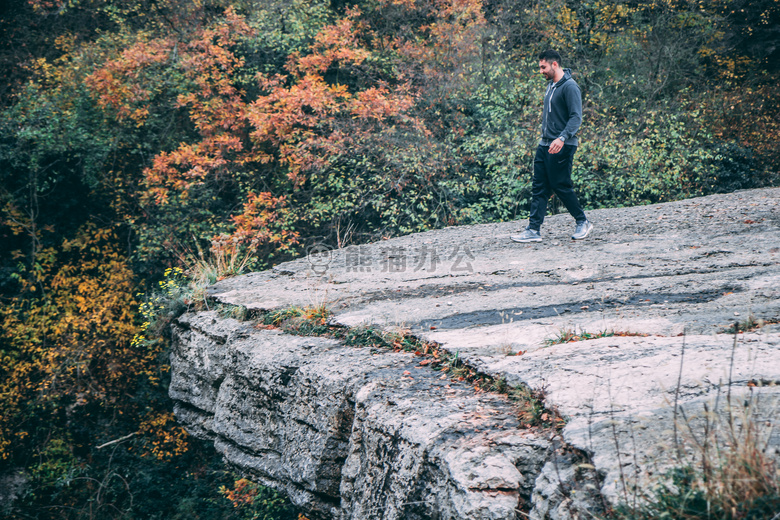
561	118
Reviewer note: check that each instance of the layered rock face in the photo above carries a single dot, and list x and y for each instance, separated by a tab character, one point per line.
348	433
351	433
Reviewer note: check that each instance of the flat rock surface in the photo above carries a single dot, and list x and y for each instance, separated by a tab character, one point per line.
650	279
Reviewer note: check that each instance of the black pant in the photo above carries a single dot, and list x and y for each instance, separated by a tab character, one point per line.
552	174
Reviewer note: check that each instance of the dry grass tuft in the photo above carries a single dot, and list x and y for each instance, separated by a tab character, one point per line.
726	468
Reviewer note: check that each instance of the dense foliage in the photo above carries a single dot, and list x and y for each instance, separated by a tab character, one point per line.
220	135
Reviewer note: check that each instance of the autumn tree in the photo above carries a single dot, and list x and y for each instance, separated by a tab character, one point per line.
143	142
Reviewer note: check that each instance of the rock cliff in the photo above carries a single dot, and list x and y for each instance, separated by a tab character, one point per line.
356	433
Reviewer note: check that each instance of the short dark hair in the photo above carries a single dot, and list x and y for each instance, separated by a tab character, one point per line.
550	56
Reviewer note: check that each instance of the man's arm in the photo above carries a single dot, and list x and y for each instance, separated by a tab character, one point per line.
574	104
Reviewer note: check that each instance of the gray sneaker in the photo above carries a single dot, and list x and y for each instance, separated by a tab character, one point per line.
529	235
582	230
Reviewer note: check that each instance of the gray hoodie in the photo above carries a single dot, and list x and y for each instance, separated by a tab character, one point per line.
562	114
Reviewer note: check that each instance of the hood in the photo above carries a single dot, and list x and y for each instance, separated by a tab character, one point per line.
566	77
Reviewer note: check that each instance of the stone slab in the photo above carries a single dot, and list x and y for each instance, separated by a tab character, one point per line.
679	272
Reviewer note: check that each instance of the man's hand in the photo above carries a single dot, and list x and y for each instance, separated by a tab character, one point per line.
556	146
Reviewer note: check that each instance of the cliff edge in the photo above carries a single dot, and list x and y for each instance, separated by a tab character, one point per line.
628	334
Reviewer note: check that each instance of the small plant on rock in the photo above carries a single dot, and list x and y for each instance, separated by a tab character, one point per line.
749	324
170	299
569	335
302	321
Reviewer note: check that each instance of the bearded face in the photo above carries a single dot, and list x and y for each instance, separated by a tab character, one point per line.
548	69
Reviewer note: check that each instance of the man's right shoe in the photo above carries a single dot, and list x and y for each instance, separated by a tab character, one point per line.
529	235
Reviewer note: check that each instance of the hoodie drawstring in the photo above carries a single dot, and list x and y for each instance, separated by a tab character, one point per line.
549	103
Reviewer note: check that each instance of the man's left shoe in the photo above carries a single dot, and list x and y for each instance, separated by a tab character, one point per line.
582	230
529	235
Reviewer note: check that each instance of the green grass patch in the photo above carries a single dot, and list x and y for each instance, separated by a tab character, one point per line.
301	321
568	335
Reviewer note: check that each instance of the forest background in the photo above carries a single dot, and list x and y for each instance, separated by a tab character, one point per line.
150	147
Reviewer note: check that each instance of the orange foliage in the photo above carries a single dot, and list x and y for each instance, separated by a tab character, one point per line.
453	39
310	120
215	106
409	4
121	84
259	212
165	439
334	44
74	341
300	122
243	493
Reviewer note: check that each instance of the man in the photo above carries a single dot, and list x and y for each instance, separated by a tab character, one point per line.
561	118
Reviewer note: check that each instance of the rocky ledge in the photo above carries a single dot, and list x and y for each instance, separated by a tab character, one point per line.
349	432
